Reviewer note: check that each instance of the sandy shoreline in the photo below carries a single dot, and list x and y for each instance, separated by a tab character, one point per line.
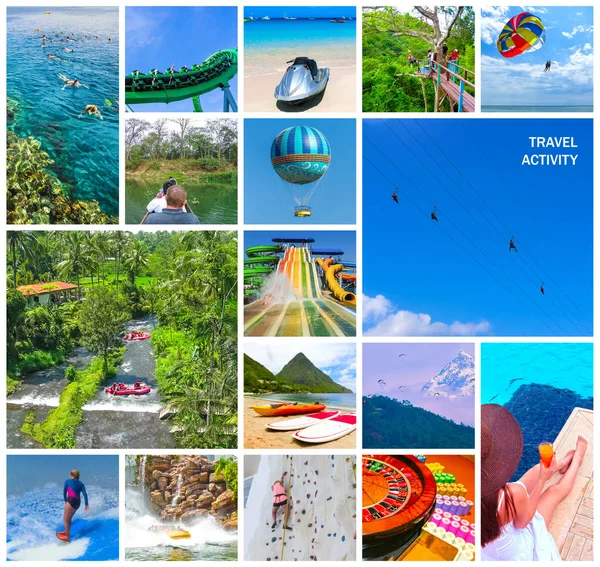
256	436
340	94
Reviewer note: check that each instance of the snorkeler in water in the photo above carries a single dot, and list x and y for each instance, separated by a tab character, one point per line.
50	56
71	82
92	110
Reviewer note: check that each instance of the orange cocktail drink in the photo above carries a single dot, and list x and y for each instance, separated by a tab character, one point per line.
546	453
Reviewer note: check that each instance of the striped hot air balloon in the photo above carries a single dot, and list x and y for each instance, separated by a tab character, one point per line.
300	155
524	32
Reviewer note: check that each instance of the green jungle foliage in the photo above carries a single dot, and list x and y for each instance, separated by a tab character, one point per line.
389	34
389	423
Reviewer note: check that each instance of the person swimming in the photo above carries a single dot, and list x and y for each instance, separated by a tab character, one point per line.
50	56
92	110
71	82
72	490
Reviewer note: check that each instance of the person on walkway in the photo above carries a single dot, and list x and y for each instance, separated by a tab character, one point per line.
281	502
516	515
176	209
72	490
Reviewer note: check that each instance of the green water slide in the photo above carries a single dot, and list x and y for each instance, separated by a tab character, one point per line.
172	86
254	251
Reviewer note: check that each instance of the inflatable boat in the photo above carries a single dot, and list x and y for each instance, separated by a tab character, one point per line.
129	391
141	338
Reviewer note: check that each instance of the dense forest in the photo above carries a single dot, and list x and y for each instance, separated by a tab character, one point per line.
390	35
389	423
187	281
181	145
298	376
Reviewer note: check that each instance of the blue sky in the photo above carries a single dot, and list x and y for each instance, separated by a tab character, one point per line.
419	282
300	11
25	472
339	239
267	197
157	37
337	360
521	80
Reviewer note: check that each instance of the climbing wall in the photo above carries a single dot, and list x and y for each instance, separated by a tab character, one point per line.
323	518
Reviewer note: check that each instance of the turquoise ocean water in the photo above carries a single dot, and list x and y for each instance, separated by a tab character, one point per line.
86	149
507	366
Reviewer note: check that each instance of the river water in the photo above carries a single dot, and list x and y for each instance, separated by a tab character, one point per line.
212	203
108	421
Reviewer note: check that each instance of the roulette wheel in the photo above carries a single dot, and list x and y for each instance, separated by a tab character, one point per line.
398	498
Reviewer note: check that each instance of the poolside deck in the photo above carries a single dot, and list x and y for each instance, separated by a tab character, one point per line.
573	524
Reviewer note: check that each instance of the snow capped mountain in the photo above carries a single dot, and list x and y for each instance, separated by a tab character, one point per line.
456	379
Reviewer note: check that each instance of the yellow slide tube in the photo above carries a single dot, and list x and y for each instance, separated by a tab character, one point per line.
346	297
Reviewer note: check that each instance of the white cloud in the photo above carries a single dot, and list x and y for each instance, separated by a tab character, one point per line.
393	323
376	307
587	47
493	19
520	82
578	29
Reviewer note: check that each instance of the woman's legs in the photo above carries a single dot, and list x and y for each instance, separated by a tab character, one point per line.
555	494
529	479
67	517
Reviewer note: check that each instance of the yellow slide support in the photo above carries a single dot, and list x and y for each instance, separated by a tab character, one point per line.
346	297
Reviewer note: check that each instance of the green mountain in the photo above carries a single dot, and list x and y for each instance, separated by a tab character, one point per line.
390	424
303	372
298	376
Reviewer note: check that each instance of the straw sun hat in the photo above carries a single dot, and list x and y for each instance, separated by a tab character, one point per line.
501	447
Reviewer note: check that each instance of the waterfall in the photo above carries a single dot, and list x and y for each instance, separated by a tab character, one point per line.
143	472
177	490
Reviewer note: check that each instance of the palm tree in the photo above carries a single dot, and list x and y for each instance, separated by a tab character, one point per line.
119	240
74	256
134	259
20	244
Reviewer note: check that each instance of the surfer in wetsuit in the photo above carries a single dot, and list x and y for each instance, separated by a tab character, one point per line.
72	491
280	500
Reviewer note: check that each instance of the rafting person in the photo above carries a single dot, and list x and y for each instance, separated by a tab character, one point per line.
516	515
280	500
137	385
72	490
71	82
511	245
92	110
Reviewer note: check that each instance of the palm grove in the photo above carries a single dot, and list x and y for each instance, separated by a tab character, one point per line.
188	281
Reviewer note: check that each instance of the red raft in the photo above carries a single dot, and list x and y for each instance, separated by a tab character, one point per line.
143	337
129	391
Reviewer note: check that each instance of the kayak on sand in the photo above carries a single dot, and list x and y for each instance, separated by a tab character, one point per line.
302	422
295	408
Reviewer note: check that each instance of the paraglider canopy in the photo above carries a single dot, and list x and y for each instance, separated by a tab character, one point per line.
524	32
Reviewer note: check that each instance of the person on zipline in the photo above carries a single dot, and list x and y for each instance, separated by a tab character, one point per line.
542	289
511	245
281	501
433	215
395	197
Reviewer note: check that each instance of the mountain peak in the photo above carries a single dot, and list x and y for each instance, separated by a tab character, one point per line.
456	379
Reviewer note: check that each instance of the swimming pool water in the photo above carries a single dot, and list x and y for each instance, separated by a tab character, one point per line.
507	366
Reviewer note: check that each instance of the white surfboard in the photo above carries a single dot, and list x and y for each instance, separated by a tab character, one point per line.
302	422
328	430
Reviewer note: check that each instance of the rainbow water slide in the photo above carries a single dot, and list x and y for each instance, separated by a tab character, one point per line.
308	314
172	86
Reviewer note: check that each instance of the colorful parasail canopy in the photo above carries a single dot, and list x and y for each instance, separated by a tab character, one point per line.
300	155
524	32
